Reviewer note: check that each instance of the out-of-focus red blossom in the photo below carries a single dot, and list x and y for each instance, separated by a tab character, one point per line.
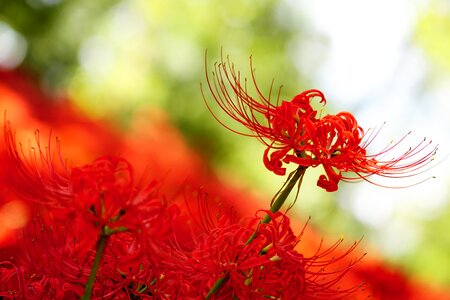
14	214
58	247
294	132
270	266
149	132
387	283
380	280
22	100
103	192
31	109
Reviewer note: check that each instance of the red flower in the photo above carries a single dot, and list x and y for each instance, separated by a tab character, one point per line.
294	132
37	174
385	283
54	260
75	210
104	192
270	266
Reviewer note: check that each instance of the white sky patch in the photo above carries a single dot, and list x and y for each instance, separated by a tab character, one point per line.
96	56
13	47
373	208
370	66
366	40
398	237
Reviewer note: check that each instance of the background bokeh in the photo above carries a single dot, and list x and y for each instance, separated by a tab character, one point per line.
385	61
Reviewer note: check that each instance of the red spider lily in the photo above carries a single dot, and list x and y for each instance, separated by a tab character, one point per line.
80	209
294	132
103	192
60	246
55	260
268	267
51	255
18	283
104	188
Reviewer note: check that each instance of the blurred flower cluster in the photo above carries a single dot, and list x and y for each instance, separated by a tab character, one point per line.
91	213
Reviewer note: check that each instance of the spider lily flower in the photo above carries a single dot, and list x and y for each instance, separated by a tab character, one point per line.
53	260
294	132
79	213
104	192
271	266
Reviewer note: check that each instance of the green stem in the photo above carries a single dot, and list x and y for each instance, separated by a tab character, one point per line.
276	205
216	286
280	199
98	257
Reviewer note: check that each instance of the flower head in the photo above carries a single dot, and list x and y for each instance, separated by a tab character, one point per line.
294	132
102	193
104	190
270	266
74	211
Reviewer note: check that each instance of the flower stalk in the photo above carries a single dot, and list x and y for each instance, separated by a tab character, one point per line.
280	199
297	176
98	257
217	285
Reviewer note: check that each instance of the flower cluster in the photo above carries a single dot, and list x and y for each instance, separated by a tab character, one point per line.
270	266
294	132
88	222
95	233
